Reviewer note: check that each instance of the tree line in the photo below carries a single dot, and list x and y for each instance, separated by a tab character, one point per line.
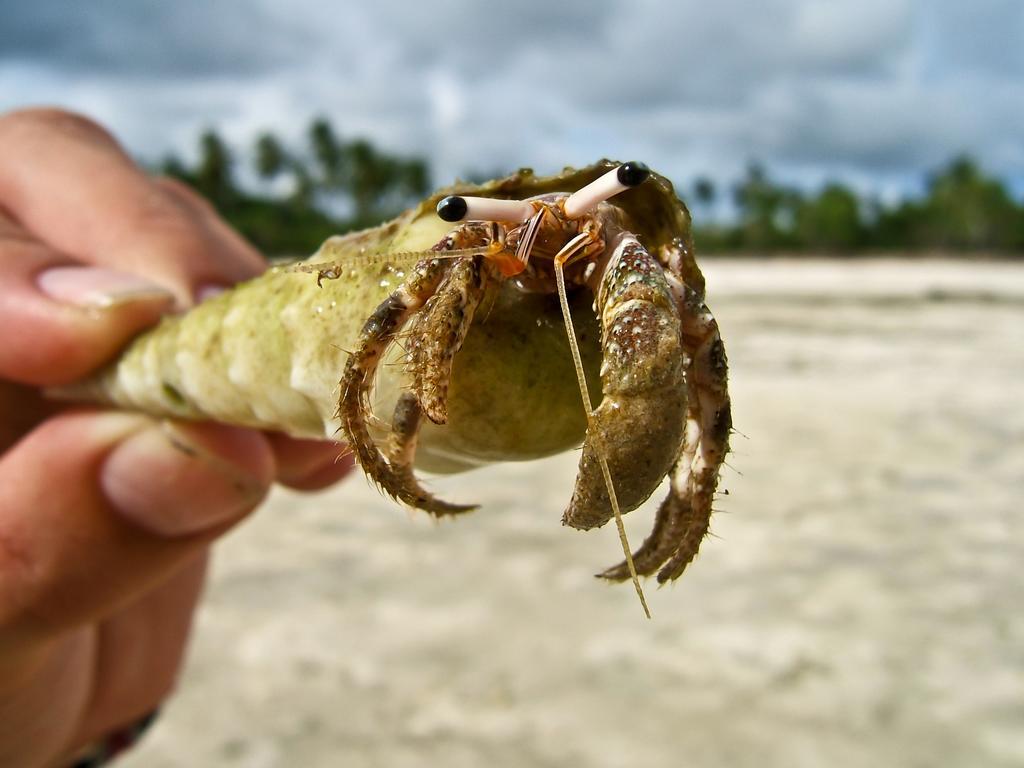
298	196
963	210
327	185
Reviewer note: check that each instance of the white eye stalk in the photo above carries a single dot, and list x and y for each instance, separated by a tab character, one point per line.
456	208
617	180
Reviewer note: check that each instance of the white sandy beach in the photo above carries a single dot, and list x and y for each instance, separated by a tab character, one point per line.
860	604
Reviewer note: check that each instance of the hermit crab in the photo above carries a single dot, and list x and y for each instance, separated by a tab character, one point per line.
465	332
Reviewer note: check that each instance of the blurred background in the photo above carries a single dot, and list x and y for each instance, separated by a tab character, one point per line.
786	124
856	174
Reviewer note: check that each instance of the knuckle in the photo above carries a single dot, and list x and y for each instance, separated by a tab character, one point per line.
183	195
163	215
53	120
182	241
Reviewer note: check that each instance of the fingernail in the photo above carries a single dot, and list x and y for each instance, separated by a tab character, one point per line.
176	480
209	291
98	287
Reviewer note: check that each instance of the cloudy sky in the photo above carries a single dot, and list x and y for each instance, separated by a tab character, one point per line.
874	92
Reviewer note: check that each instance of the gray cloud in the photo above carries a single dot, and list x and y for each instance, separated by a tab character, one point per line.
980	38
866	89
148	38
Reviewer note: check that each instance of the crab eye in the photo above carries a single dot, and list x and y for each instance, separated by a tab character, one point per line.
608	185
457	208
452	208
632	174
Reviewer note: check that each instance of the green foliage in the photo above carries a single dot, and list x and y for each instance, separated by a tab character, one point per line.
831	221
326	175
332	185
213	175
271	157
704	191
963	210
767	211
328	152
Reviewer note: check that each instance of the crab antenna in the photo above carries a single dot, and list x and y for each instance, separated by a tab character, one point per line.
457	208
563	256
617	180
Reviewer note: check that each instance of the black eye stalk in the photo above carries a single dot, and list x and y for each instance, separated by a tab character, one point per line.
456	208
632	174
452	208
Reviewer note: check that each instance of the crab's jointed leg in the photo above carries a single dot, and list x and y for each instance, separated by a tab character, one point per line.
709	427
683	519
438	331
676	527
401	453
379	331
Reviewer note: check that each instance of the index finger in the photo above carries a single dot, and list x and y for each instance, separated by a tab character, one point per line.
69	183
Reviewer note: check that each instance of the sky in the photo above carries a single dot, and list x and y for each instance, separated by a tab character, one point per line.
872	92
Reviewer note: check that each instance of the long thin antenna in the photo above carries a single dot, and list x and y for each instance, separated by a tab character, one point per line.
330	270
592	428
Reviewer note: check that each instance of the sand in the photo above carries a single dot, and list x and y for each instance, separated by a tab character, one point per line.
860	604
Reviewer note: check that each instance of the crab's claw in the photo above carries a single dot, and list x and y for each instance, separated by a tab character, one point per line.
641	417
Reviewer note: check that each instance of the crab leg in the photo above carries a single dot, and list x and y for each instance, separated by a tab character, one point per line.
640	417
405	429
438	331
708	374
676	527
357	381
683	519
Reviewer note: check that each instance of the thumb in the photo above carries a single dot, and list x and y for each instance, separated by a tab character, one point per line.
98	508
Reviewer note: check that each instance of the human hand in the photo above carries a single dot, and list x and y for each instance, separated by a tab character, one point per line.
105	518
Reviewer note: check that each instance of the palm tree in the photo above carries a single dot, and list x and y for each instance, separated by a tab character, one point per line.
271	157
327	150
213	175
704	190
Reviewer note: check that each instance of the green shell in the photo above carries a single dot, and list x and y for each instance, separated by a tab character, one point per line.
269	353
